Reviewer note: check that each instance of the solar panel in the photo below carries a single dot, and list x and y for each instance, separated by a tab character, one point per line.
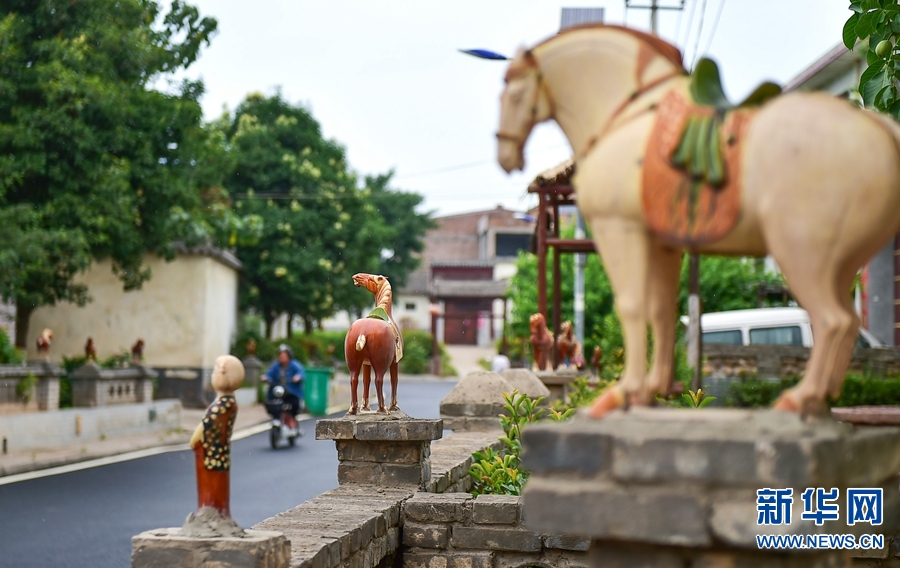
580	16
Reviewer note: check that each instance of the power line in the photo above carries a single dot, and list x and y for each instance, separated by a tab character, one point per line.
687	35
699	34
457	167
715	26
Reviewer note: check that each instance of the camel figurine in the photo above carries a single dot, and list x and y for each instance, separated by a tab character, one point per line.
541	341
43	343
374	343
568	347
666	165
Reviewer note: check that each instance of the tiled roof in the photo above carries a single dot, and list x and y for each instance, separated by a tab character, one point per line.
469	288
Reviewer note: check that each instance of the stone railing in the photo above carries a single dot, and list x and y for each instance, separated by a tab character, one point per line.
43	395
95	386
456	529
190	385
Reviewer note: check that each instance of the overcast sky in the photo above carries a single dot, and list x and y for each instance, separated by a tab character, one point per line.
385	79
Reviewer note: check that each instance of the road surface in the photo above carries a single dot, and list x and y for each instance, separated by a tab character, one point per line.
87	518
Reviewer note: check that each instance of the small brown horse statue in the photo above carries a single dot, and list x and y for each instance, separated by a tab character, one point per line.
374	343
568	347
541	341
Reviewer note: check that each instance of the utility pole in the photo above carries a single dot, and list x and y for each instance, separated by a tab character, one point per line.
654	8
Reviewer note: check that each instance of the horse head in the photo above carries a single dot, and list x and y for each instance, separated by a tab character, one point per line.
525	102
537	323
371	282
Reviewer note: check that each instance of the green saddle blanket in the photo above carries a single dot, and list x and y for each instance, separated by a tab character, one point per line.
379	313
699	152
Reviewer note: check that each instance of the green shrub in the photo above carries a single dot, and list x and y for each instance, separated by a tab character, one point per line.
751	392
500	472
866	390
9	355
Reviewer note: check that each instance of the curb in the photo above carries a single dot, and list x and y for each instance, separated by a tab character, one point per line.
86	461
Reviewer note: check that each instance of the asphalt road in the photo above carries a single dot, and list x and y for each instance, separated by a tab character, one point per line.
85	519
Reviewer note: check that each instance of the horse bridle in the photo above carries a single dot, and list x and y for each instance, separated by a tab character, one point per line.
531	66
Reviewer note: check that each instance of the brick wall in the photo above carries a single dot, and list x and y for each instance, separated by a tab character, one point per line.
456	529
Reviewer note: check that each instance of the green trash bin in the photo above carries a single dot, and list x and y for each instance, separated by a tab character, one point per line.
316	389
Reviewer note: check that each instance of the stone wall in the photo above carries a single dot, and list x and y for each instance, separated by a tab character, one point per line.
44	395
456	529
766	361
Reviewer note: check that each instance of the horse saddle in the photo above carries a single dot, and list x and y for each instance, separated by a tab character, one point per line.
691	176
381	314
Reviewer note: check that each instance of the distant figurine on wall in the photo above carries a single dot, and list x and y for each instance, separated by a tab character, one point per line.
90	352
137	352
251	347
43	343
541	341
597	361
211	443
569	347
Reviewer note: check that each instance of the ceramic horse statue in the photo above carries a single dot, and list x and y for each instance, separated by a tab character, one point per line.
374	343
541	341
813	181
569	348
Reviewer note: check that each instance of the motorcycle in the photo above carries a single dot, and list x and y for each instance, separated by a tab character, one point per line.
284	424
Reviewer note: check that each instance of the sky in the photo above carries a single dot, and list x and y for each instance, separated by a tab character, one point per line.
386	79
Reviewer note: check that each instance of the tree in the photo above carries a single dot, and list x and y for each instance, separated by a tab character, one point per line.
406	227
317	225
320	227
877	23
96	164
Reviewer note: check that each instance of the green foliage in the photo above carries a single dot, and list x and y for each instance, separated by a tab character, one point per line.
877	23
418	348
726	283
319	226
697	399
751	392
581	393
116	361
97	165
25	388
9	355
500	472
865	390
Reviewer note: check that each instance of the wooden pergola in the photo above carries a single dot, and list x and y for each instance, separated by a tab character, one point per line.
554	189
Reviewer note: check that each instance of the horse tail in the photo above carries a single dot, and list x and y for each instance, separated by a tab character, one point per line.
361	342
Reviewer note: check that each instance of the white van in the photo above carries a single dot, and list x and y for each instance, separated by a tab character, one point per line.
765	326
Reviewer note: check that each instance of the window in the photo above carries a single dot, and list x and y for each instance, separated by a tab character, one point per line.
410	306
776	336
511	244
730	337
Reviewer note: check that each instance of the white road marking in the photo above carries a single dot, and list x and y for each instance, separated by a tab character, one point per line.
137	454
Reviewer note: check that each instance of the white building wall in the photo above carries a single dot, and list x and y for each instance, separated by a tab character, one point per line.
186	314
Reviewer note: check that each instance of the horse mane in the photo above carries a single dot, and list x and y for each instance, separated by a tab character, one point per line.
664	48
384	296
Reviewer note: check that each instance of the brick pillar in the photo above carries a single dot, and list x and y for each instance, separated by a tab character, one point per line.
47	391
382	449
666	487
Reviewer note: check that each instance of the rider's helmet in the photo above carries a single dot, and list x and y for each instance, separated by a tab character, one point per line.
284	347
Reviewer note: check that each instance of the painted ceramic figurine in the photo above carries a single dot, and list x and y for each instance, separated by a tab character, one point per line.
211	443
137	352
569	347
374	343
90	352
665	164
43	343
541	342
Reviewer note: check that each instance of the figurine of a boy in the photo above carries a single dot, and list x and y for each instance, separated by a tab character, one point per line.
211	443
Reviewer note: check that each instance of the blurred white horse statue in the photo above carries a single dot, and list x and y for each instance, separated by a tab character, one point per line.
665	164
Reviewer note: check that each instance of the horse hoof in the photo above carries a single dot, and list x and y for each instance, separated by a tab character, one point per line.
612	399
366	408
807	408
393	408
352	410
382	410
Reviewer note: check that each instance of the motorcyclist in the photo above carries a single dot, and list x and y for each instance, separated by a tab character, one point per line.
289	373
